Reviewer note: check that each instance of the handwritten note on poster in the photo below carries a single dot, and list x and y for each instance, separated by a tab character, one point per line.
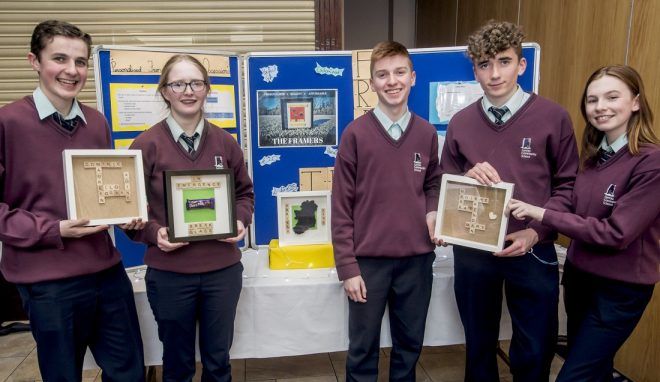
129	62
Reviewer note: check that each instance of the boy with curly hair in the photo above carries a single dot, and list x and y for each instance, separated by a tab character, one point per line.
512	136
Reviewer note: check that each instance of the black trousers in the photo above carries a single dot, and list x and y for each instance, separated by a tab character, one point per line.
404	285
531	285
180	301
95	311
602	313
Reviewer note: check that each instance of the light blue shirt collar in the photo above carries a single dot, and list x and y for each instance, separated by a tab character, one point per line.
617	145
45	108
514	104
387	122
176	131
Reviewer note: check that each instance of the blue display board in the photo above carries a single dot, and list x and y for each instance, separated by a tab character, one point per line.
279	85
437	66
133	253
275	163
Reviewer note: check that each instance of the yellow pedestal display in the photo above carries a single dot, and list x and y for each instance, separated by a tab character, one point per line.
300	256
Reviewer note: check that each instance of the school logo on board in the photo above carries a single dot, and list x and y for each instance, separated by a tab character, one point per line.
417	163
608	197
526	148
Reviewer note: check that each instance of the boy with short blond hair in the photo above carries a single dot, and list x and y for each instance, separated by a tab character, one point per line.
384	197
512	136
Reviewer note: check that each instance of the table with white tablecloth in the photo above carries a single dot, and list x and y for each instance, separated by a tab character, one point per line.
296	312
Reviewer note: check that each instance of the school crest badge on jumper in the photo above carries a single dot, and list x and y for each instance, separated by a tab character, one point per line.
526	149
417	163
608	197
218	162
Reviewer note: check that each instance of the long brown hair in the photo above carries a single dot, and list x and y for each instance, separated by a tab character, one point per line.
640	124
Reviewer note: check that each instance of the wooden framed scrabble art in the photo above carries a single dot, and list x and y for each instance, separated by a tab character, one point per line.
104	186
303	217
471	214
200	204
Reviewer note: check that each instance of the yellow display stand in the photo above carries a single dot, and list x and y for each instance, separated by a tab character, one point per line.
300	256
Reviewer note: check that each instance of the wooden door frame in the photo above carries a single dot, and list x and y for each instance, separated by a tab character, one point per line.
328	17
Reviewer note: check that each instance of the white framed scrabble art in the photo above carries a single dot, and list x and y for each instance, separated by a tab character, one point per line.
104	186
472	214
303	217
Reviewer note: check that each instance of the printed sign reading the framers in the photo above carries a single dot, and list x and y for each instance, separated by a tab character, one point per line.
294	118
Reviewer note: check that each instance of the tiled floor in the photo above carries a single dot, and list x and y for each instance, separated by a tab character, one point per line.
18	362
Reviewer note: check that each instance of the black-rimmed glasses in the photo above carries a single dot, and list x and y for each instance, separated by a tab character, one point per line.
180	86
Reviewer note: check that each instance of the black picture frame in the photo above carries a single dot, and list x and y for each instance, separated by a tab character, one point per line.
201	204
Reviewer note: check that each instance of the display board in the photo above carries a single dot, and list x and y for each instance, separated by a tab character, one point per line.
126	81
298	104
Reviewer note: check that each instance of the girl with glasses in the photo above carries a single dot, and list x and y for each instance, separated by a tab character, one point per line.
195	283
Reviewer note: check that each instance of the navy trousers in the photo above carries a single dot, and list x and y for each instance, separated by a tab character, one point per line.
180	301
95	311
531	285
404	285
602	313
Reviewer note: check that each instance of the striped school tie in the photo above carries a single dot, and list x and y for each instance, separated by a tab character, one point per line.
498	113
604	155
190	141
67	124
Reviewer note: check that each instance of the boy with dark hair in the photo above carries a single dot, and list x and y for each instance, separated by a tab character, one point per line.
387	159
512	136
70	276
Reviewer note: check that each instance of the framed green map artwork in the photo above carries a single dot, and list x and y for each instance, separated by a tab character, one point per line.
303	217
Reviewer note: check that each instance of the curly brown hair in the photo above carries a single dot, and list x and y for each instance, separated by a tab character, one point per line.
493	38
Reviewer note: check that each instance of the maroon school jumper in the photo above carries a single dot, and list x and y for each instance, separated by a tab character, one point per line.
615	226
535	149
381	192
33	201
161	152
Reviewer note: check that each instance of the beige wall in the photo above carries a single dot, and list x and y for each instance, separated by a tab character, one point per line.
232	26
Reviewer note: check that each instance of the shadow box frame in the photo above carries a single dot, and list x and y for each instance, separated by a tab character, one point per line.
442	232
288	103
72	182
322	199
223	228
